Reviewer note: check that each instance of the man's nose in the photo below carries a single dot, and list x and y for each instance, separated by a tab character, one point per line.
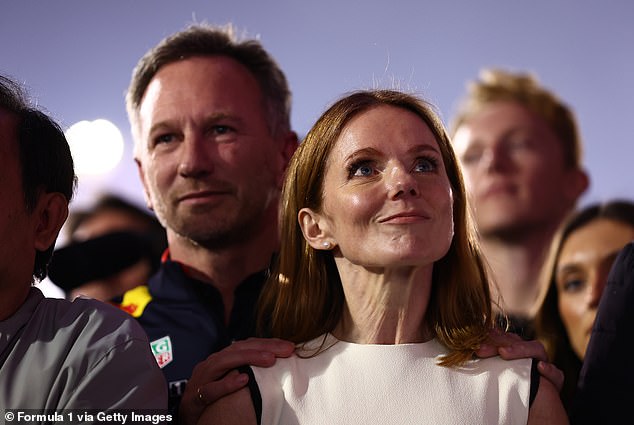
496	159
196	158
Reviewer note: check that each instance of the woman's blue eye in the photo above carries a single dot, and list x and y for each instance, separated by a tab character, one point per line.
364	170
573	285
361	169
426	165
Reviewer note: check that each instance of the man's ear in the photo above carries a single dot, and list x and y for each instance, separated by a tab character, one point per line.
315	229
289	146
51	213
576	183
146	193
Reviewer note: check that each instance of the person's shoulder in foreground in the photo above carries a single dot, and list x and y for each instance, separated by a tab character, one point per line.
55	354
82	354
604	391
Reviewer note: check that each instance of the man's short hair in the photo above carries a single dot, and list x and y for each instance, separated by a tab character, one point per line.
45	158
206	40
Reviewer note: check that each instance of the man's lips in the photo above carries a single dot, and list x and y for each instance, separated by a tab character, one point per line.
498	189
202	195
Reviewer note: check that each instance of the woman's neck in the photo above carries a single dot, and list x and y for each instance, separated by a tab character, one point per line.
384	306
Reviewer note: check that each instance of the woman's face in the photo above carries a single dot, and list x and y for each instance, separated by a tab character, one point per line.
582	271
387	199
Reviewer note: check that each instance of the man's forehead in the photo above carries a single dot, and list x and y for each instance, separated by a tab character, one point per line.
8	127
471	134
218	79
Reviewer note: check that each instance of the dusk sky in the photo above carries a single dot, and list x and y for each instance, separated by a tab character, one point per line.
76	57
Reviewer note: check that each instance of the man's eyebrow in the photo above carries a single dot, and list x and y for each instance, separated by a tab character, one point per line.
222	116
160	125
208	120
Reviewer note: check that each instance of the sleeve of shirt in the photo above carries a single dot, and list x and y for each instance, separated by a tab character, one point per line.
256	397
126	378
122	373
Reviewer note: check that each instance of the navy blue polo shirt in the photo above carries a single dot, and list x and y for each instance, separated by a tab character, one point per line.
184	320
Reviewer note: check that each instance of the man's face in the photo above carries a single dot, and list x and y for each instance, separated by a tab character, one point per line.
514	169
17	230
210	167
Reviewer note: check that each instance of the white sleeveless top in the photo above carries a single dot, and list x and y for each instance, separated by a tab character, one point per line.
355	384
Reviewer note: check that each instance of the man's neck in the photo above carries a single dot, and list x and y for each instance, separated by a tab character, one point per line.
12	298
516	263
225	268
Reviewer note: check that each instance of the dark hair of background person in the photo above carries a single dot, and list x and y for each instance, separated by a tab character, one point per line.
549	327
45	157
149	226
203	40
109	202
109	248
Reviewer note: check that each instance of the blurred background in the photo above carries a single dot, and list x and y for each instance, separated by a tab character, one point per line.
76	58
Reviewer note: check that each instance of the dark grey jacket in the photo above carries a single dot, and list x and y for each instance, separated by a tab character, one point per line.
605	391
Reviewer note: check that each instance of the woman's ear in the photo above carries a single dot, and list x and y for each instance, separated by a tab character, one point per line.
52	211
315	229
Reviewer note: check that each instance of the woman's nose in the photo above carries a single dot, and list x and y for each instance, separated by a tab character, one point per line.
596	287
401	182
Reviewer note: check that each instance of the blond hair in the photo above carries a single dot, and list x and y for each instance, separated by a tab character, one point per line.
496	85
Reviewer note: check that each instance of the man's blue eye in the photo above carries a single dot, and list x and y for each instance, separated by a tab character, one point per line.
221	129
472	157
164	138
518	143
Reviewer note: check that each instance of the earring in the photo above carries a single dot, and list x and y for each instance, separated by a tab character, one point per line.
326	245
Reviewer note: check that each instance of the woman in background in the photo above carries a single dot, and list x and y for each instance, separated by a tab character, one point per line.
576	273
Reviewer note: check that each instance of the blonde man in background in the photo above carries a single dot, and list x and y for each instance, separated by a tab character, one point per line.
521	155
